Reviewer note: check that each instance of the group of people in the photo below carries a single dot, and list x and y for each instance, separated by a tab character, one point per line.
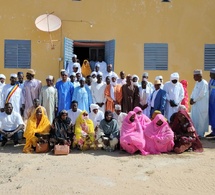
89	107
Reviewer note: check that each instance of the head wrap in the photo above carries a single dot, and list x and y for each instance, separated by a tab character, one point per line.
158	77
197	71
50	77
62	70
93	107
98	65
118	107
174	76
13	75
75	65
31	71
75	56
2	76
107	113
94	72
212	70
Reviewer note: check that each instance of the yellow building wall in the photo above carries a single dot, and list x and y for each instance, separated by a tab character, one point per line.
186	25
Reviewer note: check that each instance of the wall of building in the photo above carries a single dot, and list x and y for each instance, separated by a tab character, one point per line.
185	25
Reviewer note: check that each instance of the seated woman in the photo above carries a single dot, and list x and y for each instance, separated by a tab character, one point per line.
185	136
84	132
62	130
143	119
159	136
38	123
131	137
108	132
155	113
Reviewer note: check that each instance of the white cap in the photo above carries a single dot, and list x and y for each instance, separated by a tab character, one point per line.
118	107
73	74
75	65
13	75
62	70
50	77
74	55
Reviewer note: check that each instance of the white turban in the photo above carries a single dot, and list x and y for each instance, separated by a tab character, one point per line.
118	107
94	72
174	76
2	76
74	55
93	107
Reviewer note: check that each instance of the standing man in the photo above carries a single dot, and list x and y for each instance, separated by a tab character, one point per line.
21	81
48	98
12	93
102	65
98	92
31	90
212	103
145	94
122	79
70	65
83	96
199	102
65	91
158	98
146	76
174	95
109	72
130	95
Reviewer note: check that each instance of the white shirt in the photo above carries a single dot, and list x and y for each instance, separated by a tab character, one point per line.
103	67
96	118
73	115
10	122
153	98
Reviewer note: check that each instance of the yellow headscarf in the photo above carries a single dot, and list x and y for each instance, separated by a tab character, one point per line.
32	128
78	126
85	69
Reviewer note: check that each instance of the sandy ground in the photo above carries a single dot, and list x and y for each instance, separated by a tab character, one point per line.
100	172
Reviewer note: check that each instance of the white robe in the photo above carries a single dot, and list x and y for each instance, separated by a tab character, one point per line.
145	95
199	110
16	98
98	94
96	118
103	67
173	92
119	118
49	100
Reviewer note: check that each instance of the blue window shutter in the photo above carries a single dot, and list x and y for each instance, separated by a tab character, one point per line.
110	52
209	61
17	54
68	51
155	56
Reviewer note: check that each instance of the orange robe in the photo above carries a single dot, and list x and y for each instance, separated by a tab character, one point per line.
118	97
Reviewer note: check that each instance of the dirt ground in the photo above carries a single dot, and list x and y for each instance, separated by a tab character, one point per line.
99	172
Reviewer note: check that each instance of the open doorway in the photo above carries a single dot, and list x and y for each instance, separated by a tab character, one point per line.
89	50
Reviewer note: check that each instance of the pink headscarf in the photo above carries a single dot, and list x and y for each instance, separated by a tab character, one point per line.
159	138
132	138
127	125
143	119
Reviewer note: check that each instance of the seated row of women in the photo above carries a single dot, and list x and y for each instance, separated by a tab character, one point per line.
137	134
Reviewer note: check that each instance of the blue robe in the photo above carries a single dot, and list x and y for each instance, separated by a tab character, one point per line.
212	104
65	92
84	98
160	101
